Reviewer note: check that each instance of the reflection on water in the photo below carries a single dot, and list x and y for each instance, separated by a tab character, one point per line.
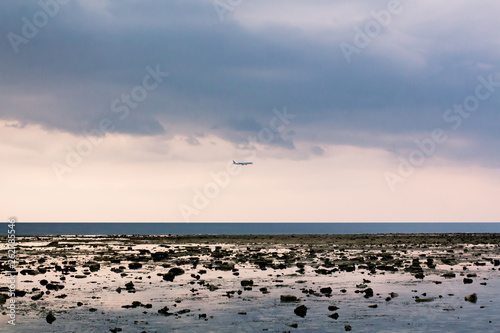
215	301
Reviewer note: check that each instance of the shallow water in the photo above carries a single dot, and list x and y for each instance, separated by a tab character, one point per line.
263	311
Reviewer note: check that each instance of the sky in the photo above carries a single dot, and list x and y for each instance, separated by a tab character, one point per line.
351	111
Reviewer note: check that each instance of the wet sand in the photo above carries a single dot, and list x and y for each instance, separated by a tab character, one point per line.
296	283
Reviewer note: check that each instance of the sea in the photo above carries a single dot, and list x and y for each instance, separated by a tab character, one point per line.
147	228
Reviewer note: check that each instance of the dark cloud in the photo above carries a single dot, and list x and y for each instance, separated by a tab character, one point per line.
226	77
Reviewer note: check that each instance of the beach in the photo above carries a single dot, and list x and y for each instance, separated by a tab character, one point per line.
255	283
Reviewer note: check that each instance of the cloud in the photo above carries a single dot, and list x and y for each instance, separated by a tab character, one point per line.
226	77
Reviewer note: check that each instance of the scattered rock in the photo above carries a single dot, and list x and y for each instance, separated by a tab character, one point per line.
326	290
301	311
334	316
471	298
347	328
50	318
246	283
288	298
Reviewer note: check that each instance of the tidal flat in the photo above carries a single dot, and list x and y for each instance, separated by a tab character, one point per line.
248	283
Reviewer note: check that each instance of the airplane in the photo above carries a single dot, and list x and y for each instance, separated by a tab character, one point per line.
242	163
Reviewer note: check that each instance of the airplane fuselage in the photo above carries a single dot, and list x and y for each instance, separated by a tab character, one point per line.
242	163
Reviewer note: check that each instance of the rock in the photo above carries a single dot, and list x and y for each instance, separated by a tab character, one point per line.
294	325
301	311
334	316
50	318
79	304
471	298
164	311
326	290
246	283
373	306
394	295
169	277
54	286
44	282
419	275
176	271
129	285
347	328
115	330
92	309
449	275
134	265
332	307
94	267
37	297
242	313
288	298
468	281
368	292
421	300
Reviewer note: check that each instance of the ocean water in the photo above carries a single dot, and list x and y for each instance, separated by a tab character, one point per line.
25	228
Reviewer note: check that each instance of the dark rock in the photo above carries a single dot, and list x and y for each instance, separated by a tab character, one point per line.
420	275
471	298
449	275
115	330
79	304
246	283
54	286
94	267
134	265
326	290
44	282
332	307
169	277
468	281
294	325
347	328
301	311
368	292
334	316
50	318
373	306
37	297
422	300
176	271
129	285
164	311
288	298
92	309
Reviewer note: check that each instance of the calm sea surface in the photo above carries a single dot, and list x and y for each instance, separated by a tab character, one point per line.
24	228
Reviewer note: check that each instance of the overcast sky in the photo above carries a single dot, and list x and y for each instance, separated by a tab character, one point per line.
350	110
